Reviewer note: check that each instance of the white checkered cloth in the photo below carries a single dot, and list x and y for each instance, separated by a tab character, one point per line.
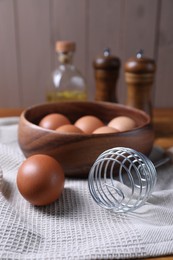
75	227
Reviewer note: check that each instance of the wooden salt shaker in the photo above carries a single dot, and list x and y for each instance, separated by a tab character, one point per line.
106	70
139	76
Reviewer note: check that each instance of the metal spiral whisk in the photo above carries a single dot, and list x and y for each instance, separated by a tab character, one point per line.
122	179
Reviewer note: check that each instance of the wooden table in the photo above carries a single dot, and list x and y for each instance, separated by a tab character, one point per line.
163	126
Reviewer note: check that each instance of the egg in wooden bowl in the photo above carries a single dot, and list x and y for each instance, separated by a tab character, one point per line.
77	151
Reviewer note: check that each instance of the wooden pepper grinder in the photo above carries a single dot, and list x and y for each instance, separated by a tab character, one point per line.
106	70
139	76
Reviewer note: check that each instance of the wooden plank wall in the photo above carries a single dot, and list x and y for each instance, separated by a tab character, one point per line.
29	29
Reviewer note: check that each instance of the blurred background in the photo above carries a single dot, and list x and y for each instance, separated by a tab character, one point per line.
30	28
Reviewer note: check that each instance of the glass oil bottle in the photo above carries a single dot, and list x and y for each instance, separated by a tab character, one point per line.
68	84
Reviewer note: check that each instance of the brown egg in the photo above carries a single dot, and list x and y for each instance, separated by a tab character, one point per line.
53	121
69	129
88	123
40	179
105	130
122	123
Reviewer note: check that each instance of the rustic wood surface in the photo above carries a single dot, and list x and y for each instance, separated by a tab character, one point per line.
164	56
34	60
30	28
9	81
163	125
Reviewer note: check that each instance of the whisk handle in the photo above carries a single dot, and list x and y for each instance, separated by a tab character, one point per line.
162	161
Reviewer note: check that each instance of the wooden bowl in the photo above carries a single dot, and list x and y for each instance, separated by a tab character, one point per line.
77	152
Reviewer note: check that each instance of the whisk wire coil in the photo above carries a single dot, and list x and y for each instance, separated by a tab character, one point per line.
122	179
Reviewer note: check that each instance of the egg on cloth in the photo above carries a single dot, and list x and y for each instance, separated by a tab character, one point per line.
122	123
40	179
88	123
53	121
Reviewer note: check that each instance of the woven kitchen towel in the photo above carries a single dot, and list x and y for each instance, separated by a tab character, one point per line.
74	227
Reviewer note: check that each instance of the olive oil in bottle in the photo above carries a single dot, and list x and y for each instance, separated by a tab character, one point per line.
68	84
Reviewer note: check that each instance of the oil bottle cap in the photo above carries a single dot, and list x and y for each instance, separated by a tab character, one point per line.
65	46
140	64
106	61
